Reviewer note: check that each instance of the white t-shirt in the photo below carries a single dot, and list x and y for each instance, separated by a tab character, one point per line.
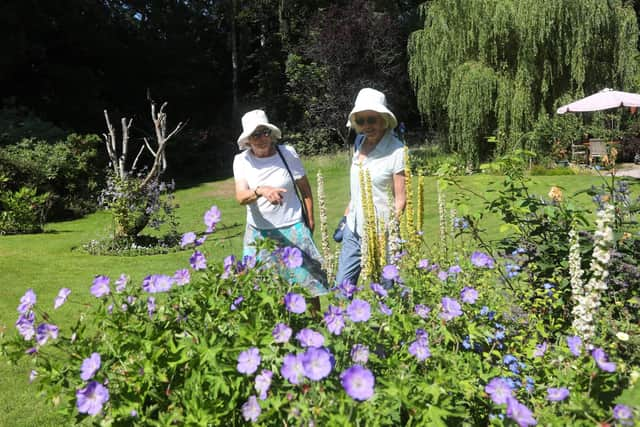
385	160
271	172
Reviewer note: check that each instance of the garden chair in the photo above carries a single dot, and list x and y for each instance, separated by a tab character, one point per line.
578	154
597	150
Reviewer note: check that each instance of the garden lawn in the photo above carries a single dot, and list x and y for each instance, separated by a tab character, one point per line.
52	260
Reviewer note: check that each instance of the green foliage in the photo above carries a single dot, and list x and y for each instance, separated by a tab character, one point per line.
538	52
20	123
67	169
22	211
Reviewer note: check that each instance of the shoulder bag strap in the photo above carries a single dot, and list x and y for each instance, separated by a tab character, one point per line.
305	215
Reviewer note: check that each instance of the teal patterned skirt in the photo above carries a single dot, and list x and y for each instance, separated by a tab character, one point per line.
310	274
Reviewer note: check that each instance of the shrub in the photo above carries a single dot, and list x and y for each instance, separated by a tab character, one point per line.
68	170
22	211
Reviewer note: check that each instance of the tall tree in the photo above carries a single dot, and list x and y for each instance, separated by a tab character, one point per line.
494	67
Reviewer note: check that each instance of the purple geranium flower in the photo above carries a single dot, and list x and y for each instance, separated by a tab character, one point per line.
359	310
291	257
420	349
384	309
100	286
281	333
236	303
63	294
624	414
92	398
27	301
575	345
263	382
292	368
347	288
454	269
422	310
317	363
182	277
541	349
482	260
26	325
499	391
46	331
358	382
187	239
334	319
602	361
32	375
198	261
390	272
359	353
468	295
520	413
121	283
443	275
211	218
90	366
310	338
295	303
423	264
251	409
151	306
248	361
379	290
557	394
450	309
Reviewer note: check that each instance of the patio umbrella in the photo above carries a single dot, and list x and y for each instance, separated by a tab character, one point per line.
603	100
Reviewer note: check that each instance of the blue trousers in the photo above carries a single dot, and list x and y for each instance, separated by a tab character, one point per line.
350	256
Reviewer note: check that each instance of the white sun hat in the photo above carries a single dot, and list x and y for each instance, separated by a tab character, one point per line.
250	122
372	100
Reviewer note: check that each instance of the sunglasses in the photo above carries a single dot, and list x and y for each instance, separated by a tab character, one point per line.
259	133
371	120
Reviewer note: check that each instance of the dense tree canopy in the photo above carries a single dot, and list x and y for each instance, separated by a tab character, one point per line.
494	67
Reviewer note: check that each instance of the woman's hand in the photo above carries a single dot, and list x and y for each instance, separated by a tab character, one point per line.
273	194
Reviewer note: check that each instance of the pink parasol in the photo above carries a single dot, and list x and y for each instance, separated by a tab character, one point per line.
603	100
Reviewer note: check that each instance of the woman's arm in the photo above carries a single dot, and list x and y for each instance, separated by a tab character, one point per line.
399	194
246	195
307	199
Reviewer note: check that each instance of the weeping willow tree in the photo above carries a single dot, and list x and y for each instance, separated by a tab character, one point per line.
495	67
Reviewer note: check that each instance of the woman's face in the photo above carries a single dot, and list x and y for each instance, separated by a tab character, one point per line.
372	124
261	142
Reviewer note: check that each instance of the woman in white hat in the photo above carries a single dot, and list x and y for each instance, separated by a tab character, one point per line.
264	175
382	154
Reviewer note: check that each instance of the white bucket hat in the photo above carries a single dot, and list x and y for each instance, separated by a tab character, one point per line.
372	100
250	122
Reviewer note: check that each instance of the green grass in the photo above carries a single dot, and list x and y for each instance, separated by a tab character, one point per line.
46	262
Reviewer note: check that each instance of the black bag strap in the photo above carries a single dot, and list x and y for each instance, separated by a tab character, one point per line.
305	215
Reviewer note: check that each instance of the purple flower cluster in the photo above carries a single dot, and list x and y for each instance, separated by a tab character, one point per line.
27	301
360	353
557	394
251	409
45	332
575	345
92	398
422	310
379	290
316	363
121	283
347	289
263	383
390	272
500	392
